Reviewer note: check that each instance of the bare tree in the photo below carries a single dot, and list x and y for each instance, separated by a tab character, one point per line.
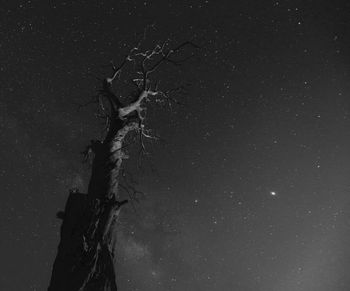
86	254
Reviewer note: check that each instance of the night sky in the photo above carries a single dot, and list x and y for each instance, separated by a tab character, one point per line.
248	188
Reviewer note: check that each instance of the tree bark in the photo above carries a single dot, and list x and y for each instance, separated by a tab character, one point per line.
85	258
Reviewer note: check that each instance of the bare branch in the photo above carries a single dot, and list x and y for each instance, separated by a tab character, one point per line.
166	56
116	71
128	184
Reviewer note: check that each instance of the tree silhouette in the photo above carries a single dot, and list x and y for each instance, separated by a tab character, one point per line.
86	252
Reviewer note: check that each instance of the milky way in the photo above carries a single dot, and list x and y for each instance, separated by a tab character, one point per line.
248	187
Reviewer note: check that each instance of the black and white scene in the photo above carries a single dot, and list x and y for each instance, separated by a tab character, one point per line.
162	145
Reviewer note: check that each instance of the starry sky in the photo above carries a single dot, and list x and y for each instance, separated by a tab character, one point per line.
248	189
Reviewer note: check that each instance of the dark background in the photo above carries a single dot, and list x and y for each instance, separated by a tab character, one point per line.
267	113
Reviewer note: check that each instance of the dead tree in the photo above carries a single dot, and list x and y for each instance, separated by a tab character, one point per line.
86	254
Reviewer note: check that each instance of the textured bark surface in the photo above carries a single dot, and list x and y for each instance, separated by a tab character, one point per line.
85	258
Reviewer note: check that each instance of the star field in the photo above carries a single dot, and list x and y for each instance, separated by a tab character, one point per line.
248	188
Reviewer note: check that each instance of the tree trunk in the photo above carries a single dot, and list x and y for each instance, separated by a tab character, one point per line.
85	258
